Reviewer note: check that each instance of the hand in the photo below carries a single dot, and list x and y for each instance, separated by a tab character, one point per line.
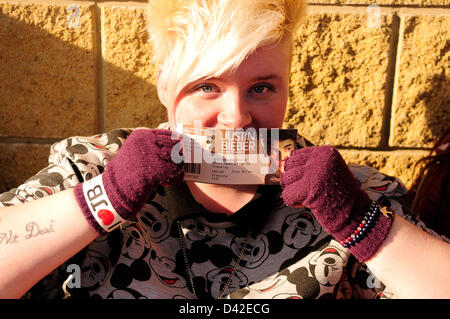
143	162
318	178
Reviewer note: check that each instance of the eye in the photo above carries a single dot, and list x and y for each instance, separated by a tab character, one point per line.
206	88
262	88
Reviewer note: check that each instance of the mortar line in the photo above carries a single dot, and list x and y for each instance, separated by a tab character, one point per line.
390	82
100	70
396	76
385	8
383	149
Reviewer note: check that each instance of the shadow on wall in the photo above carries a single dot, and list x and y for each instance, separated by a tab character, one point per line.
49	89
437	102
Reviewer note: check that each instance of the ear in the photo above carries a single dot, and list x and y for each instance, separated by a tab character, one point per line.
161	89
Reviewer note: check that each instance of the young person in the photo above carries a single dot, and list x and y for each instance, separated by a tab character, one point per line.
226	63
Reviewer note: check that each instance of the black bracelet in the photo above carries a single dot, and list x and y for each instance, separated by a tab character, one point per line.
365	225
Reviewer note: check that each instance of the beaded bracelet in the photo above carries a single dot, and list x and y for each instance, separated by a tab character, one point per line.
365	225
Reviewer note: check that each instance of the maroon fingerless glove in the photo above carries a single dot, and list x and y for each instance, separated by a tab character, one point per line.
318	178
143	162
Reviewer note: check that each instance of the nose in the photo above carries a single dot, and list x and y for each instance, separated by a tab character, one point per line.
235	112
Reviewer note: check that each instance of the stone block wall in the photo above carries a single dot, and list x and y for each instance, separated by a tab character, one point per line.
373	79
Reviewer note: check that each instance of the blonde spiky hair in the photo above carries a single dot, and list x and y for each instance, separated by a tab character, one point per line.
194	39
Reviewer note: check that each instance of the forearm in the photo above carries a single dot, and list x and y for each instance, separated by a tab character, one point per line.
37	237
412	263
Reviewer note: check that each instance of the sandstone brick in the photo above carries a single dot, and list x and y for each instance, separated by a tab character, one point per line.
421	105
343	2
338	79
18	162
129	86
399	163
47	69
421	3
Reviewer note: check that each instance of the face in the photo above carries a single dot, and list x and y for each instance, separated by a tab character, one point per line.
254	95
286	146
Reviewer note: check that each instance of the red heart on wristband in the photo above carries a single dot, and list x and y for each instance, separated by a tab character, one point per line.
106	216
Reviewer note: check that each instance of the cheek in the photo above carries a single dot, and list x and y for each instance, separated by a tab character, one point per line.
274	112
273	117
187	112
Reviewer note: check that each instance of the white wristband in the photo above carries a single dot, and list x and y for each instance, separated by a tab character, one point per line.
100	205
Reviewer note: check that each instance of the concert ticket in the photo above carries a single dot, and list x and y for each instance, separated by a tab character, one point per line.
227	156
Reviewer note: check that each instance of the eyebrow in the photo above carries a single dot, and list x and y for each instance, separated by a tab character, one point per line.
256	79
267	77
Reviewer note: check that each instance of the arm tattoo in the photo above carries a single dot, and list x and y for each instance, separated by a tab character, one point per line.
32	229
